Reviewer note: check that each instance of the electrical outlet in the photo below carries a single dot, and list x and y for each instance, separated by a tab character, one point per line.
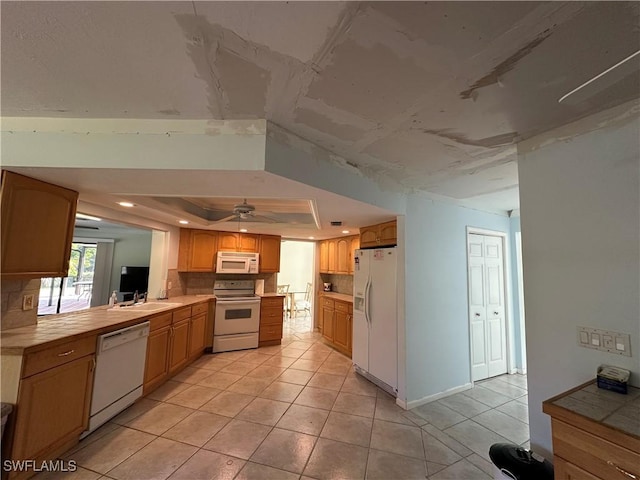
168	285
607	341
27	302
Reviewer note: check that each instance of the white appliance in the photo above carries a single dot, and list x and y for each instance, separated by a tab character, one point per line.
237	316
375	320
119	374
237	262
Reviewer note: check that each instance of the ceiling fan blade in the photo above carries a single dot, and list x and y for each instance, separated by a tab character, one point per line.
226	219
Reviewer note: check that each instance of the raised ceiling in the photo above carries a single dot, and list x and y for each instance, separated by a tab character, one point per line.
432	96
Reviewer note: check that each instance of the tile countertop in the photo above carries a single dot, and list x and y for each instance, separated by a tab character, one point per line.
612	409
338	296
63	327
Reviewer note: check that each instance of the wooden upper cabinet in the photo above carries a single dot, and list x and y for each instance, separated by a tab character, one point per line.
197	252
342	253
324	256
389	233
37	227
228	241
380	235
269	251
333	258
237	242
355	245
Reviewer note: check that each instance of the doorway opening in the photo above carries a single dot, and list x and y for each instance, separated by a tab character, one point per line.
295	280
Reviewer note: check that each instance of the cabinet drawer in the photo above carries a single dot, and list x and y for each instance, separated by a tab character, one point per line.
272	302
60	354
199	308
160	321
271	315
328	302
342	307
181	314
270	332
568	471
593	454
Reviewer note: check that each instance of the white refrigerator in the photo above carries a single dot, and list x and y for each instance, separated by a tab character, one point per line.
375	320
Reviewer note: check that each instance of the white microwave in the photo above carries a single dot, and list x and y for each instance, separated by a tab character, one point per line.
237	262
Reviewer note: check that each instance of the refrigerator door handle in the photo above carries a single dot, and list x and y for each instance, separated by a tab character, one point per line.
367	296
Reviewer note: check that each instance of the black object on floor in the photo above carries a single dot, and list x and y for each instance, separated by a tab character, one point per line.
519	463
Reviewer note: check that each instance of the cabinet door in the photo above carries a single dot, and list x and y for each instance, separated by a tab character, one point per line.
197	334
324	256
179	352
564	470
341	329
269	253
333	257
37	222
388	233
327	323
342	253
227	241
248	242
355	245
54	408
157	363
202	251
369	236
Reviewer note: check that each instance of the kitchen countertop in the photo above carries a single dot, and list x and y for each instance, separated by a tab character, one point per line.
605	407
271	295
63	327
338	296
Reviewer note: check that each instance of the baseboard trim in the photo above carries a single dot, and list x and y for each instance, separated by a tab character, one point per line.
401	403
436	396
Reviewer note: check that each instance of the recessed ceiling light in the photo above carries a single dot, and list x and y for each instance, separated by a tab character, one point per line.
126	204
311	238
243	230
82	216
183	222
345	231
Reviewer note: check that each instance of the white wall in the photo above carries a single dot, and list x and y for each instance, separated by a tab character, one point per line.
437	318
580	214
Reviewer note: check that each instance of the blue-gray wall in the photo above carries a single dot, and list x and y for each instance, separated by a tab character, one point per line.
437	315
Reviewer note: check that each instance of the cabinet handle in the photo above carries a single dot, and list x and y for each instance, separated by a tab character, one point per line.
495	313
622	470
65	354
93	364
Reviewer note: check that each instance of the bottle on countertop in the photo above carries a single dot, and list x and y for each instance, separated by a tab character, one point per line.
136	297
113	299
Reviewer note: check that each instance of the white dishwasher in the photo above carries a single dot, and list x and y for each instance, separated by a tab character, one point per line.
119	375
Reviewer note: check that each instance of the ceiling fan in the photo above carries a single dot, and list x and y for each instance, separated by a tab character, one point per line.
246	212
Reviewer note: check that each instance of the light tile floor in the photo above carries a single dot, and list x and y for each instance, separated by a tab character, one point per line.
298	411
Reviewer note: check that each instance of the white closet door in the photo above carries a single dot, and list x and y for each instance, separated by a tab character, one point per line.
486	306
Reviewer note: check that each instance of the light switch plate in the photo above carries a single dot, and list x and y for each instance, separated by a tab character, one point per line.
27	302
605	340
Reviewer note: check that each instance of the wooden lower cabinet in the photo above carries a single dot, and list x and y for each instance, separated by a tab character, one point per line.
179	350
337	324
197	334
271	319
157	364
53	409
588	449
568	471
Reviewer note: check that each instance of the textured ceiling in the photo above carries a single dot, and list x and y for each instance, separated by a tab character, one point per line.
431	96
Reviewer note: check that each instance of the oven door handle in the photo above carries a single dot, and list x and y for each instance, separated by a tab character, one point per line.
237	303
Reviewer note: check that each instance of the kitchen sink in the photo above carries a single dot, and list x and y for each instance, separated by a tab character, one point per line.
146	307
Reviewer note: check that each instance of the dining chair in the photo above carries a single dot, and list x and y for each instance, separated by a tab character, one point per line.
305	304
284	290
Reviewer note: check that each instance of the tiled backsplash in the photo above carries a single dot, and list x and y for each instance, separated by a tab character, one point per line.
183	283
339	283
12	315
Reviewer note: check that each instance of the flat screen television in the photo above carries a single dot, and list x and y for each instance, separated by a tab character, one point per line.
134	278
